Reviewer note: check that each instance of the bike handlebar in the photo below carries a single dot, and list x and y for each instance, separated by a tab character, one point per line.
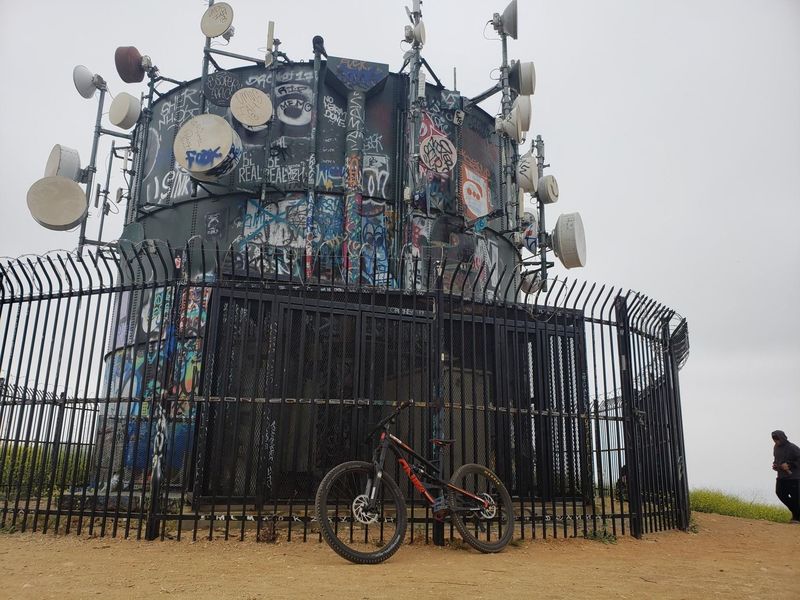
390	418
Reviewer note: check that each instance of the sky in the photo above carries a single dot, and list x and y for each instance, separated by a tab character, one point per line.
672	127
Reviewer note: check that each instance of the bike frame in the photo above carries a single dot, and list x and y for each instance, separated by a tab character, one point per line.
413	471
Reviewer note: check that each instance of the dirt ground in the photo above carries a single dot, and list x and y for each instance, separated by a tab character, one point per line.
727	558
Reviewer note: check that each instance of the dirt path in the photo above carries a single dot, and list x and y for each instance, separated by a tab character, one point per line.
728	558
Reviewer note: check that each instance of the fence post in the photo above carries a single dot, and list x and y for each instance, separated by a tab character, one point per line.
675	413
629	415
61	403
437	428
161	408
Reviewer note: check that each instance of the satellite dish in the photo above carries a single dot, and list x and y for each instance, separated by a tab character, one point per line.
207	147
508	20
217	20
569	241
252	108
527	173
547	190
84	81
419	33
130	64
511	126
64	162
124	111
523	107
57	203
522	78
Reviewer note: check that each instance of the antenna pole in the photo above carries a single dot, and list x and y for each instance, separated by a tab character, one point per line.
139	149
507	149
104	192
92	168
203	77
415	111
312	166
542	233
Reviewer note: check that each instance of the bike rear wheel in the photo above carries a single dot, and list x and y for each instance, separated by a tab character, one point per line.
351	528
487	529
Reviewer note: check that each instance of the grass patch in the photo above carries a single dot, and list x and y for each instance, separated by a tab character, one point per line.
604	536
713	501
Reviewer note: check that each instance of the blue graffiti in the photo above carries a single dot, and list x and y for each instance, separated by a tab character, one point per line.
358	74
202	157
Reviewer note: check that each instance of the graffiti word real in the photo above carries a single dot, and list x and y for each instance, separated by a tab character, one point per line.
250	170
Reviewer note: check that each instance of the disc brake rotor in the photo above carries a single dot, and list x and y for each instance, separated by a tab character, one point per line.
361	511
491	510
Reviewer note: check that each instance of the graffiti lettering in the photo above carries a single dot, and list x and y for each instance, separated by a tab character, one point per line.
438	154
250	170
373	143
330	177
202	157
332	112
376	174
294	104
184	105
359	74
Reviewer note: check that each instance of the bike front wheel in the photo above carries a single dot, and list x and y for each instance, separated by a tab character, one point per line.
486	525
361	531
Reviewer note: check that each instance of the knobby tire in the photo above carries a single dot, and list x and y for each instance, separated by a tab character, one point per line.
333	484
482	479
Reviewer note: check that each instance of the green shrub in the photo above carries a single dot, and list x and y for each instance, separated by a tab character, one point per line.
714	501
27	469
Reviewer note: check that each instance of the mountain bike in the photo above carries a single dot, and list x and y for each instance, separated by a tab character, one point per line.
361	511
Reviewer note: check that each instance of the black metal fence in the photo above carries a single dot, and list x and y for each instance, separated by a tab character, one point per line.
150	392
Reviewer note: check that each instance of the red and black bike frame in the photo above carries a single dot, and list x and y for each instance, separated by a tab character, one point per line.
418	470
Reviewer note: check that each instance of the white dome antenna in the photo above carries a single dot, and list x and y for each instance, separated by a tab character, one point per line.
568	240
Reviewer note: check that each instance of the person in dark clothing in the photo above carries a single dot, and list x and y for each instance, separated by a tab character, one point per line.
787	464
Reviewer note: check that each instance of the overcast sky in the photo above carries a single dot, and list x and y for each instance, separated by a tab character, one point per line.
672	126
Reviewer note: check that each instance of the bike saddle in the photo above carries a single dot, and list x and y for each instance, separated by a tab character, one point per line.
442	443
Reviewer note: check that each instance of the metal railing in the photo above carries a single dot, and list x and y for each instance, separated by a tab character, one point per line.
153	392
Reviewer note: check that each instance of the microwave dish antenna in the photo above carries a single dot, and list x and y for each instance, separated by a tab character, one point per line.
522	107
131	65
86	82
207	147
252	108
124	110
522	78
527	173
57	203
547	190
506	24
63	161
569	240
217	21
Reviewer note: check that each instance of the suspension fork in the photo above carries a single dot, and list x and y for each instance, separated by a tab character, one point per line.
379	459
